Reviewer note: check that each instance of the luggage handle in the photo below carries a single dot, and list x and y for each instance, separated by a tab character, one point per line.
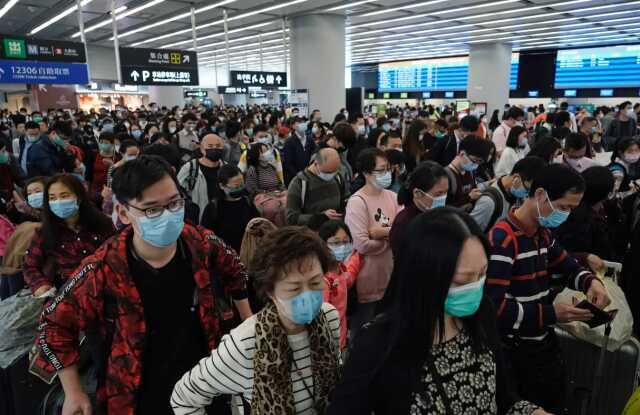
599	375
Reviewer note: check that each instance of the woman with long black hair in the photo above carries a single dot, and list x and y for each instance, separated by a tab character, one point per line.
439	335
72	229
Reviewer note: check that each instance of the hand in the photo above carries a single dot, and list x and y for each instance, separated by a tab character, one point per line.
597	294
566	313
107	162
42	290
76	404
595	263
379	232
475	194
107	193
332	214
541	411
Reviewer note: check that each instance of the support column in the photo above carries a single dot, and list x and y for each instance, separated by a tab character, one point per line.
168	96
323	34
489	71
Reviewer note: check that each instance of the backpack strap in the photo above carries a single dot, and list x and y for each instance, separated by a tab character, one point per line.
453	181
303	188
193	174
506	226
498	205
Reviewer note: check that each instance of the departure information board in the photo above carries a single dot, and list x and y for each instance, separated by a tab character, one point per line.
615	66
442	74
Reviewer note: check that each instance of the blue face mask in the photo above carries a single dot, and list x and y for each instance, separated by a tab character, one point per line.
249	132
302	308
136	134
105	147
107	128
519	192
65	208
163	230
555	218
302	128
341	252
35	200
438	202
383	180
470	166
386	127
464	300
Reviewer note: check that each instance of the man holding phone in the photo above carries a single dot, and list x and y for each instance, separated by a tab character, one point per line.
526	261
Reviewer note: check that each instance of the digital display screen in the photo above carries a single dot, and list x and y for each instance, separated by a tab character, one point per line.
404	95
533	94
616	66
371	95
442	74
448	94
606	92
570	92
426	95
386	95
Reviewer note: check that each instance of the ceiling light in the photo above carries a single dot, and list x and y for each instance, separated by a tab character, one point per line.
7	7
119	15
346	6
60	16
406	7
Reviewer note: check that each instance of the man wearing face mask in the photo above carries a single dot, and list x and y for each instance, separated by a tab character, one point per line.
575	151
318	190
524	256
199	177
508	191
512	117
150	286
448	147
463	189
297	149
48	155
32	136
188	140
623	126
234	145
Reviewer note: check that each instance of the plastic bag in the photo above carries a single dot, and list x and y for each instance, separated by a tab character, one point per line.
19	316
621	328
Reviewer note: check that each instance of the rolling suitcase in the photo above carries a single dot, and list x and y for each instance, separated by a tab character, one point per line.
598	392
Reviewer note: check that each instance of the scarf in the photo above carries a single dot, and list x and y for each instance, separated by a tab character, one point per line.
272	387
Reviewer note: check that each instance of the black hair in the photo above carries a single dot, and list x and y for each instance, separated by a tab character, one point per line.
395	157
561	118
254	152
189	116
514	133
110	137
261	128
564	105
232	128
622	146
169	153
514	113
599	182
31	125
353	117
331	227
90	217
475	146
344	134
125	144
575	141
423	177
558	180
226	173
63	128
367	159
545	148
528	167
469	124
624	105
413	145
432	246
135	176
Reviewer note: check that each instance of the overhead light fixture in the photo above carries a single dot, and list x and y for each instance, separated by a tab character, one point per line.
7	7
220	34
119	15
58	17
221	21
346	6
406	7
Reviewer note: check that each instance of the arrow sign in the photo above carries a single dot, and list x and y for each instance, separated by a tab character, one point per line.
278	79
186	59
135	75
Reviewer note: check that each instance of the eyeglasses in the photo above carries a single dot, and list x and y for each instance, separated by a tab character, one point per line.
382	171
157	211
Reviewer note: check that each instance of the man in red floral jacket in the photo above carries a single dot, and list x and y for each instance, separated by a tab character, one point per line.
147	293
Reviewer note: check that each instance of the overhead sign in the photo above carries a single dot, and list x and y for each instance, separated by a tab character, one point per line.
232	90
158	67
21	48
196	93
259	79
25	72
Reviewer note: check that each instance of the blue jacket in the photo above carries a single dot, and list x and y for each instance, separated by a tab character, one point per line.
46	159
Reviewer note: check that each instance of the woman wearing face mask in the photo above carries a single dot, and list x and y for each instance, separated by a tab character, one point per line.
170	127
264	184
627	154
318	131
440	335
343	275
229	214
516	149
72	229
29	209
370	213
136	132
105	158
129	150
285	359
414	146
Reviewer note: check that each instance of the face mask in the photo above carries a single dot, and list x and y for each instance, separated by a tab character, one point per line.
58	141
64	208
315	130
470	166
128	157
439	134
105	148
464	300
438	202
172	130
383	180
555	218
632	159
136	134
4	157
214	154
341	252
249	132
234	193
361	130
107	128
35	200
303	308
268	156
264	140
302	128
33	138
575	164
327	177
37	118
117	147
519	192
142	123
162	231
523	143
386	127
630	113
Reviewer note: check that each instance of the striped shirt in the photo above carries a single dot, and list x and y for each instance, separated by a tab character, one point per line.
524	265
262	179
229	369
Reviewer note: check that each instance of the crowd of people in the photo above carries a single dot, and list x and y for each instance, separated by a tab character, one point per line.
402	260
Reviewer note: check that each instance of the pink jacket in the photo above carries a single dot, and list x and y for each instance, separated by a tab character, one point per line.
338	285
6	230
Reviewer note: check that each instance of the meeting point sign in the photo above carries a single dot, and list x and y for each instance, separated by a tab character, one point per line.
158	67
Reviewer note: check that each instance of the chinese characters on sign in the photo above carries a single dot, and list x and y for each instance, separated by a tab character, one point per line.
25	72
16	47
232	90
158	67
258	79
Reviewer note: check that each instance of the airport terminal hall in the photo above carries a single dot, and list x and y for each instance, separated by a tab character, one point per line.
319	207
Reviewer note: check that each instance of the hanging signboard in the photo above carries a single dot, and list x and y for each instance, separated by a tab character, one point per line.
259	79
158	67
196	93
232	90
21	48
25	72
